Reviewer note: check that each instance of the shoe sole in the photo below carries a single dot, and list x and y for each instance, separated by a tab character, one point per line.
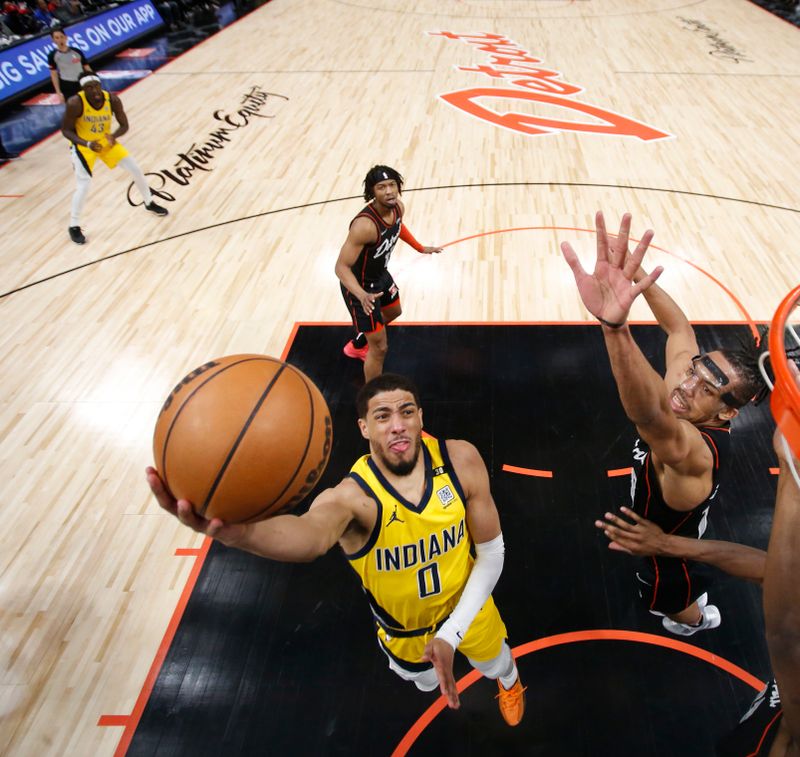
362	358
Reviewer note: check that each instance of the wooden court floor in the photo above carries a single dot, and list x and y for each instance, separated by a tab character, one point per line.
513	122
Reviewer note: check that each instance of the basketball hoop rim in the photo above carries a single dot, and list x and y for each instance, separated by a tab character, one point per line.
779	367
785	401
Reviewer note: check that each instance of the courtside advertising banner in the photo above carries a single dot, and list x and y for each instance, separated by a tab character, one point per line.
24	66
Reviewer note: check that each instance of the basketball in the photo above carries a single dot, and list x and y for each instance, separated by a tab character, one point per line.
243	437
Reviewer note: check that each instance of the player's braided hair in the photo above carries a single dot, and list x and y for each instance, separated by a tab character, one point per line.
380	173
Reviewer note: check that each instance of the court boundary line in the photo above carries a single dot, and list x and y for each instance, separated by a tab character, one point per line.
317	203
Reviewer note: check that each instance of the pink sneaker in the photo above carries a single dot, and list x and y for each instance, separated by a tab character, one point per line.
358	353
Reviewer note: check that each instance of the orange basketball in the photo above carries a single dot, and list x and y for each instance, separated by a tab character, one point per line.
243	437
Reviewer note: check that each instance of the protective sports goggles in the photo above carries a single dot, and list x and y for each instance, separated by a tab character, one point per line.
708	371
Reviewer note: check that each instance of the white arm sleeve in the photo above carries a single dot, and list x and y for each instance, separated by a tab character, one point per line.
485	572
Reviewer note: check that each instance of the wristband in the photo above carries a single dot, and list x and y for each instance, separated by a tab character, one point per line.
450	633
609	323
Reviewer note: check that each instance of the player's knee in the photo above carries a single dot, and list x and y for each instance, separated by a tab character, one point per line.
502	665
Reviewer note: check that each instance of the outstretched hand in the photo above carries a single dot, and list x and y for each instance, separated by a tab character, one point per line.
441	654
182	509
639	537
610	290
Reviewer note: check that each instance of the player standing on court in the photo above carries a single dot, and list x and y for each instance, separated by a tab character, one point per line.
367	286
683	419
407	519
87	125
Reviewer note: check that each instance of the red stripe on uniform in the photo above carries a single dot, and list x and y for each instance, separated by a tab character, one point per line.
766	731
688	515
716	451
689	585
655	585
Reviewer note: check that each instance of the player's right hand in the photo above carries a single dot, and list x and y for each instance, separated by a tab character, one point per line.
368	301
640	537
95	146
440	654
183	510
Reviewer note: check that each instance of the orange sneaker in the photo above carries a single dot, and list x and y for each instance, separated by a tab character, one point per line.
512	702
358	353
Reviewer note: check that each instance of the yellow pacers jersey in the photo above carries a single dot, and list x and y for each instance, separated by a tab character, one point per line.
93	125
417	561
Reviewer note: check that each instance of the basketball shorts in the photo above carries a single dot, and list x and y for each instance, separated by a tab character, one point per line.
69	88
109	155
756	731
483	641
373	321
668	585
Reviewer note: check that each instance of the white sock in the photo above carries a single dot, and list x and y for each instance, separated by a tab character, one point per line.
509	680
83	180
130	165
79	199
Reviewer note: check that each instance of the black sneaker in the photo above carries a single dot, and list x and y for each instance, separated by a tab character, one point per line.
5	155
157	209
76	235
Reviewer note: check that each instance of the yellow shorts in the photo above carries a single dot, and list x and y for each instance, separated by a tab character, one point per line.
109	155
482	641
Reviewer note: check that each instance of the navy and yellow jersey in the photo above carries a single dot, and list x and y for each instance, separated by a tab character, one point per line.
374	258
417	560
94	125
648	500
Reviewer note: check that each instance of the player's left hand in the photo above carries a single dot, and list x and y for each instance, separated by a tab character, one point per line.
610	290
441	654
429	250
111	140
639	537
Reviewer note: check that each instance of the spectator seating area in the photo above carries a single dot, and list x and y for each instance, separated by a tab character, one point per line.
23	19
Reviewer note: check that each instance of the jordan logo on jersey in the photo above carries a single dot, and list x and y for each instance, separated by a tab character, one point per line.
445	495
394	518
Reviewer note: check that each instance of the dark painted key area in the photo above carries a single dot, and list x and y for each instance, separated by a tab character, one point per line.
278	659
